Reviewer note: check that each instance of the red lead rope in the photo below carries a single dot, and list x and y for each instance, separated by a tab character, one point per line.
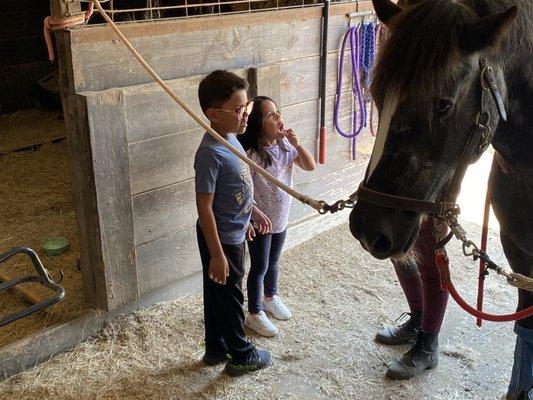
482	264
442	262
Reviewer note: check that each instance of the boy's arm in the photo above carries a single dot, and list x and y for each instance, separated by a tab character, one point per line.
218	265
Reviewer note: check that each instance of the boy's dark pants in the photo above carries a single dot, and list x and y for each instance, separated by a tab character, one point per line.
223	311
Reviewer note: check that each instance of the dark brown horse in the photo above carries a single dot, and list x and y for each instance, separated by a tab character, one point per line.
428	89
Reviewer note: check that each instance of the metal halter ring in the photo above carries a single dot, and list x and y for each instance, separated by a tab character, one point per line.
469	244
485	123
484	85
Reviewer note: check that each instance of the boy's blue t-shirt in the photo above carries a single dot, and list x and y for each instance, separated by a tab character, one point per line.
220	172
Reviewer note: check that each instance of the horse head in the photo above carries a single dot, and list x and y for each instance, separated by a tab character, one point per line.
429	85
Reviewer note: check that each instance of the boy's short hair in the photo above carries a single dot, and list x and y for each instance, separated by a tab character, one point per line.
217	88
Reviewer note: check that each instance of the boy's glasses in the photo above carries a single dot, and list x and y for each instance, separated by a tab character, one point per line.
239	112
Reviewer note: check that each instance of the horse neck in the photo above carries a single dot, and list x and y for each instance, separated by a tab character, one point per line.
513	138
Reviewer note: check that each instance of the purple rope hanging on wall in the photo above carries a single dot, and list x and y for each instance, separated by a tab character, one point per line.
362	50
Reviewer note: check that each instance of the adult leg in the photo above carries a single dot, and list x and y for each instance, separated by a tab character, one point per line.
424	352
409	278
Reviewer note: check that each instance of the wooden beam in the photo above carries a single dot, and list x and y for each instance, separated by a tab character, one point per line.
81	170
215	21
229	42
105	111
62	8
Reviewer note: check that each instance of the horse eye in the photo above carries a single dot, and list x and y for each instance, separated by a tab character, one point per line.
444	106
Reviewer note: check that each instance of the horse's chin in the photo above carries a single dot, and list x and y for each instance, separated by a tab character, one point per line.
405	253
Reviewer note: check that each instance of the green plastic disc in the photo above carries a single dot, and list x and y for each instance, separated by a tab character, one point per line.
55	246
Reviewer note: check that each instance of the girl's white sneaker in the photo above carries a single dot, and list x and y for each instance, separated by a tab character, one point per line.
276	307
260	324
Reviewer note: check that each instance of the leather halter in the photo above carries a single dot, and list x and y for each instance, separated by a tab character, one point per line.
478	140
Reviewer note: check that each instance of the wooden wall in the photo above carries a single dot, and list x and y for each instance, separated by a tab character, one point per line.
143	145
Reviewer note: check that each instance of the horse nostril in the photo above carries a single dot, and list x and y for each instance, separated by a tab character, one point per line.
382	244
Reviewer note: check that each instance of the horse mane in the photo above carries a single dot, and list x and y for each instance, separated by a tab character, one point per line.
421	51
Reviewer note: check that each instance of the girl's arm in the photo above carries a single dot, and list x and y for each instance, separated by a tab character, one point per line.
305	159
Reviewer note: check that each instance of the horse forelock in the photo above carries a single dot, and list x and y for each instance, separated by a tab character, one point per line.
421	52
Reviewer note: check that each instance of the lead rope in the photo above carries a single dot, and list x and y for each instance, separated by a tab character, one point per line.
57	24
470	249
321	206
482	264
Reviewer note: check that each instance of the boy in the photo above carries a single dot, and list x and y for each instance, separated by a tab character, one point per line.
224	199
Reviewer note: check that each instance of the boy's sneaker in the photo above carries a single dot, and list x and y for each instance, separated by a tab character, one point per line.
261	324
211	358
276	307
254	361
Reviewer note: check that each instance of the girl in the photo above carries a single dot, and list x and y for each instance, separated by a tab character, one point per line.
276	148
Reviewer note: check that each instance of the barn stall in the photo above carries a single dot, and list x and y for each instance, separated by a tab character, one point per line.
131	216
127	206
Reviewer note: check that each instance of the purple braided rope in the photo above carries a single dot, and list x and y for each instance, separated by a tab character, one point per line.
357	126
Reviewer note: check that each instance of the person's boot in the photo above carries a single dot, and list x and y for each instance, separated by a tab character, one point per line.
521	385
404	333
424	354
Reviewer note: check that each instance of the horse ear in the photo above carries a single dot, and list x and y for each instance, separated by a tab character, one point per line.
486	31
386	9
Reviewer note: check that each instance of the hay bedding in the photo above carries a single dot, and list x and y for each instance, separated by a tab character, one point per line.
36	203
339	297
338	294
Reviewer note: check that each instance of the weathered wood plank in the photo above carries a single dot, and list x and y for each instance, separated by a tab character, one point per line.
167	259
329	188
265	81
339	158
160	212
196	54
164	160
150	112
294	39
303	117
105	112
299	78
316	224
107	63
209	22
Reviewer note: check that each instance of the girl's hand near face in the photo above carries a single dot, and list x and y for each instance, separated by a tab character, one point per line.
292	138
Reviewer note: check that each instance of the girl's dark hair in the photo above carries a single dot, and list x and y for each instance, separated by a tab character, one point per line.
251	138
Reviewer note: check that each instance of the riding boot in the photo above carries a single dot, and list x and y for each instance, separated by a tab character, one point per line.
404	333
424	354
521	385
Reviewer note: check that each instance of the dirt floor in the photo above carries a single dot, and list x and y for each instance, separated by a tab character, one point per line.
339	296
36	203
